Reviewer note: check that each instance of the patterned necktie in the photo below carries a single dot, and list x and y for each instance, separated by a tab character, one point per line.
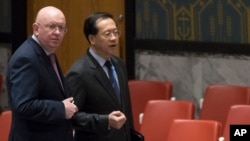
53	61
111	72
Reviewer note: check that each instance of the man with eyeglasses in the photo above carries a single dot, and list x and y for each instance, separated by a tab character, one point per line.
40	102
99	85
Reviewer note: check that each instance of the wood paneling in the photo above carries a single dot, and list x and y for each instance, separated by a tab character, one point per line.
75	44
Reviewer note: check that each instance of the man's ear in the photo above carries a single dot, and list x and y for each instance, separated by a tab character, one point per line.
91	39
35	27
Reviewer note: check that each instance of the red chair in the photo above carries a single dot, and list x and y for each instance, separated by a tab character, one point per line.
141	91
219	98
5	124
194	130
238	114
159	115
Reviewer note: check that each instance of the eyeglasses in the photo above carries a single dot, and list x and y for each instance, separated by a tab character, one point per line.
108	34
54	27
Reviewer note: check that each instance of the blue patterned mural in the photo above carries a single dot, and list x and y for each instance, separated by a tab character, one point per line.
226	21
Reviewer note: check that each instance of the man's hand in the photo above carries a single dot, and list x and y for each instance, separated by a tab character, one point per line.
70	107
117	119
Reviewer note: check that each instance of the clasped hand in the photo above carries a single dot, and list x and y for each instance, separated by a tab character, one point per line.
117	119
70	107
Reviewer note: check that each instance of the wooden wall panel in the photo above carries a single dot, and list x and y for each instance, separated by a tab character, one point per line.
75	44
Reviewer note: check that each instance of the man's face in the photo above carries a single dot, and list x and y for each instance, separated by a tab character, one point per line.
106	41
50	32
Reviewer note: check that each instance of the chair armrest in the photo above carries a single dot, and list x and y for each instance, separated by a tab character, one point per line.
201	103
221	139
140	118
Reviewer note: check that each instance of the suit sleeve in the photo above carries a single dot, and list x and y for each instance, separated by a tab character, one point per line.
89	122
24	92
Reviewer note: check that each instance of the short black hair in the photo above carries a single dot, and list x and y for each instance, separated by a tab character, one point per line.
89	27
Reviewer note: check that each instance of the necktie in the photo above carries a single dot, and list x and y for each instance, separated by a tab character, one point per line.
53	62
111	72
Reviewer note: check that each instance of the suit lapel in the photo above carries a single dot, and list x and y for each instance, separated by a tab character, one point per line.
102	78
45	60
47	63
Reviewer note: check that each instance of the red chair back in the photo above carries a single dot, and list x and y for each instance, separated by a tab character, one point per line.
141	91
194	130
5	124
238	114
159	115
219	98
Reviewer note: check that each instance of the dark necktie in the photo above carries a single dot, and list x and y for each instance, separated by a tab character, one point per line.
111	72
53	62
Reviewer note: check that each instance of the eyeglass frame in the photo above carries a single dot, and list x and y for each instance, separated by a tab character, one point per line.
109	33
54	27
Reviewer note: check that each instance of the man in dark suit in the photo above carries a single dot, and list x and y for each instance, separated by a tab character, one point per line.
104	108
41	107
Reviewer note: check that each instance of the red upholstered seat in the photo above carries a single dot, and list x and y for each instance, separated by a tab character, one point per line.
159	115
219	98
238	114
5	124
141	91
194	130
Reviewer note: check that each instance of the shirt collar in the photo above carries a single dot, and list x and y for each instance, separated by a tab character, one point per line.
98	58
35	38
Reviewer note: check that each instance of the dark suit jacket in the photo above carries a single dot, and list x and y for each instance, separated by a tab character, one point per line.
36	96
95	98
